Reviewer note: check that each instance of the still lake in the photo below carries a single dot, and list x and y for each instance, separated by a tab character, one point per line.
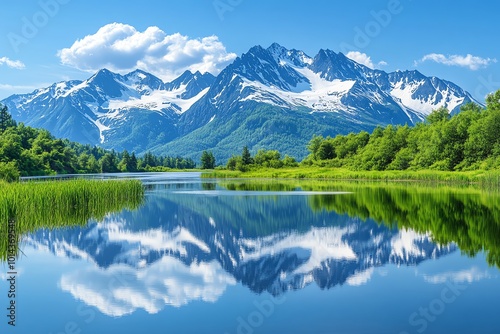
250	256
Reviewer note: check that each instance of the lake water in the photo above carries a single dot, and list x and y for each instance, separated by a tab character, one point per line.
201	256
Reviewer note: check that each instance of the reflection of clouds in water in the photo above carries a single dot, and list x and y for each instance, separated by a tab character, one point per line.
469	275
152	239
360	278
404	244
317	246
120	290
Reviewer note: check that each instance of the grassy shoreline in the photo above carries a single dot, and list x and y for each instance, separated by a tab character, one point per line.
28	206
326	173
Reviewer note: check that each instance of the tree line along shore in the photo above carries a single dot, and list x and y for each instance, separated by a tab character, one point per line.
460	147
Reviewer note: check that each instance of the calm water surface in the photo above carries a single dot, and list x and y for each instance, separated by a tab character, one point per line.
246	257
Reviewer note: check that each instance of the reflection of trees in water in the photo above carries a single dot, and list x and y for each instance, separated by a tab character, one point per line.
32	206
467	217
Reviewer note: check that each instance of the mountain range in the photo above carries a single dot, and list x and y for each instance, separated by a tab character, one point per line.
272	98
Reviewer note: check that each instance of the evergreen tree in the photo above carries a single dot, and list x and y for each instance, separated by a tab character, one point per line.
133	162
149	160
246	158
207	160
108	163
6	120
126	164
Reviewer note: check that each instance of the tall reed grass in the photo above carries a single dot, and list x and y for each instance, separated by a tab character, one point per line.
34	205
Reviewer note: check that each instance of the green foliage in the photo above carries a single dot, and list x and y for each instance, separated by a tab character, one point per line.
466	141
207	160
27	151
127	164
6	120
439	115
150	161
246	158
109	163
326	150
314	144
233	162
263	158
289	161
268	158
8	171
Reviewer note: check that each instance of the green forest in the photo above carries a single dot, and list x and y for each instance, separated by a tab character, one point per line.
466	141
26	151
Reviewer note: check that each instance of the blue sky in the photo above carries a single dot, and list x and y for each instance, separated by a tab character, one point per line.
46	41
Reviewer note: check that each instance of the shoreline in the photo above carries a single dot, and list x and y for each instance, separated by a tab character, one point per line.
488	177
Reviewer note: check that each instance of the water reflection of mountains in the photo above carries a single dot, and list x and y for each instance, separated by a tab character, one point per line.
271	243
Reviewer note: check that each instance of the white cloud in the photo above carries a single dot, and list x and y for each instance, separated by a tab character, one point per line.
364	59
17	64
120	290
121	48
469	61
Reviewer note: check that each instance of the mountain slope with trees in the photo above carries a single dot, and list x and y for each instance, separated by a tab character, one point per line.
465	141
27	151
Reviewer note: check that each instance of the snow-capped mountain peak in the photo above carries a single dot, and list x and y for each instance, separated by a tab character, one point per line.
103	108
138	111
284	56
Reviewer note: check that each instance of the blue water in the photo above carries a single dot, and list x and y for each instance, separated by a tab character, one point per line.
204	259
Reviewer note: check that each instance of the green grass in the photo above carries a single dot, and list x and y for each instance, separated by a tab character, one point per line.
34	205
326	173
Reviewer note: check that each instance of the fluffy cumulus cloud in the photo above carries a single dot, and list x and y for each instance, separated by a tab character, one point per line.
469	61
17	64
121	48
364	59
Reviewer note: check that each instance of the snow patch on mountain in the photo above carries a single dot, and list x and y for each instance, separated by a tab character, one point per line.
317	93
405	94
102	128
157	100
